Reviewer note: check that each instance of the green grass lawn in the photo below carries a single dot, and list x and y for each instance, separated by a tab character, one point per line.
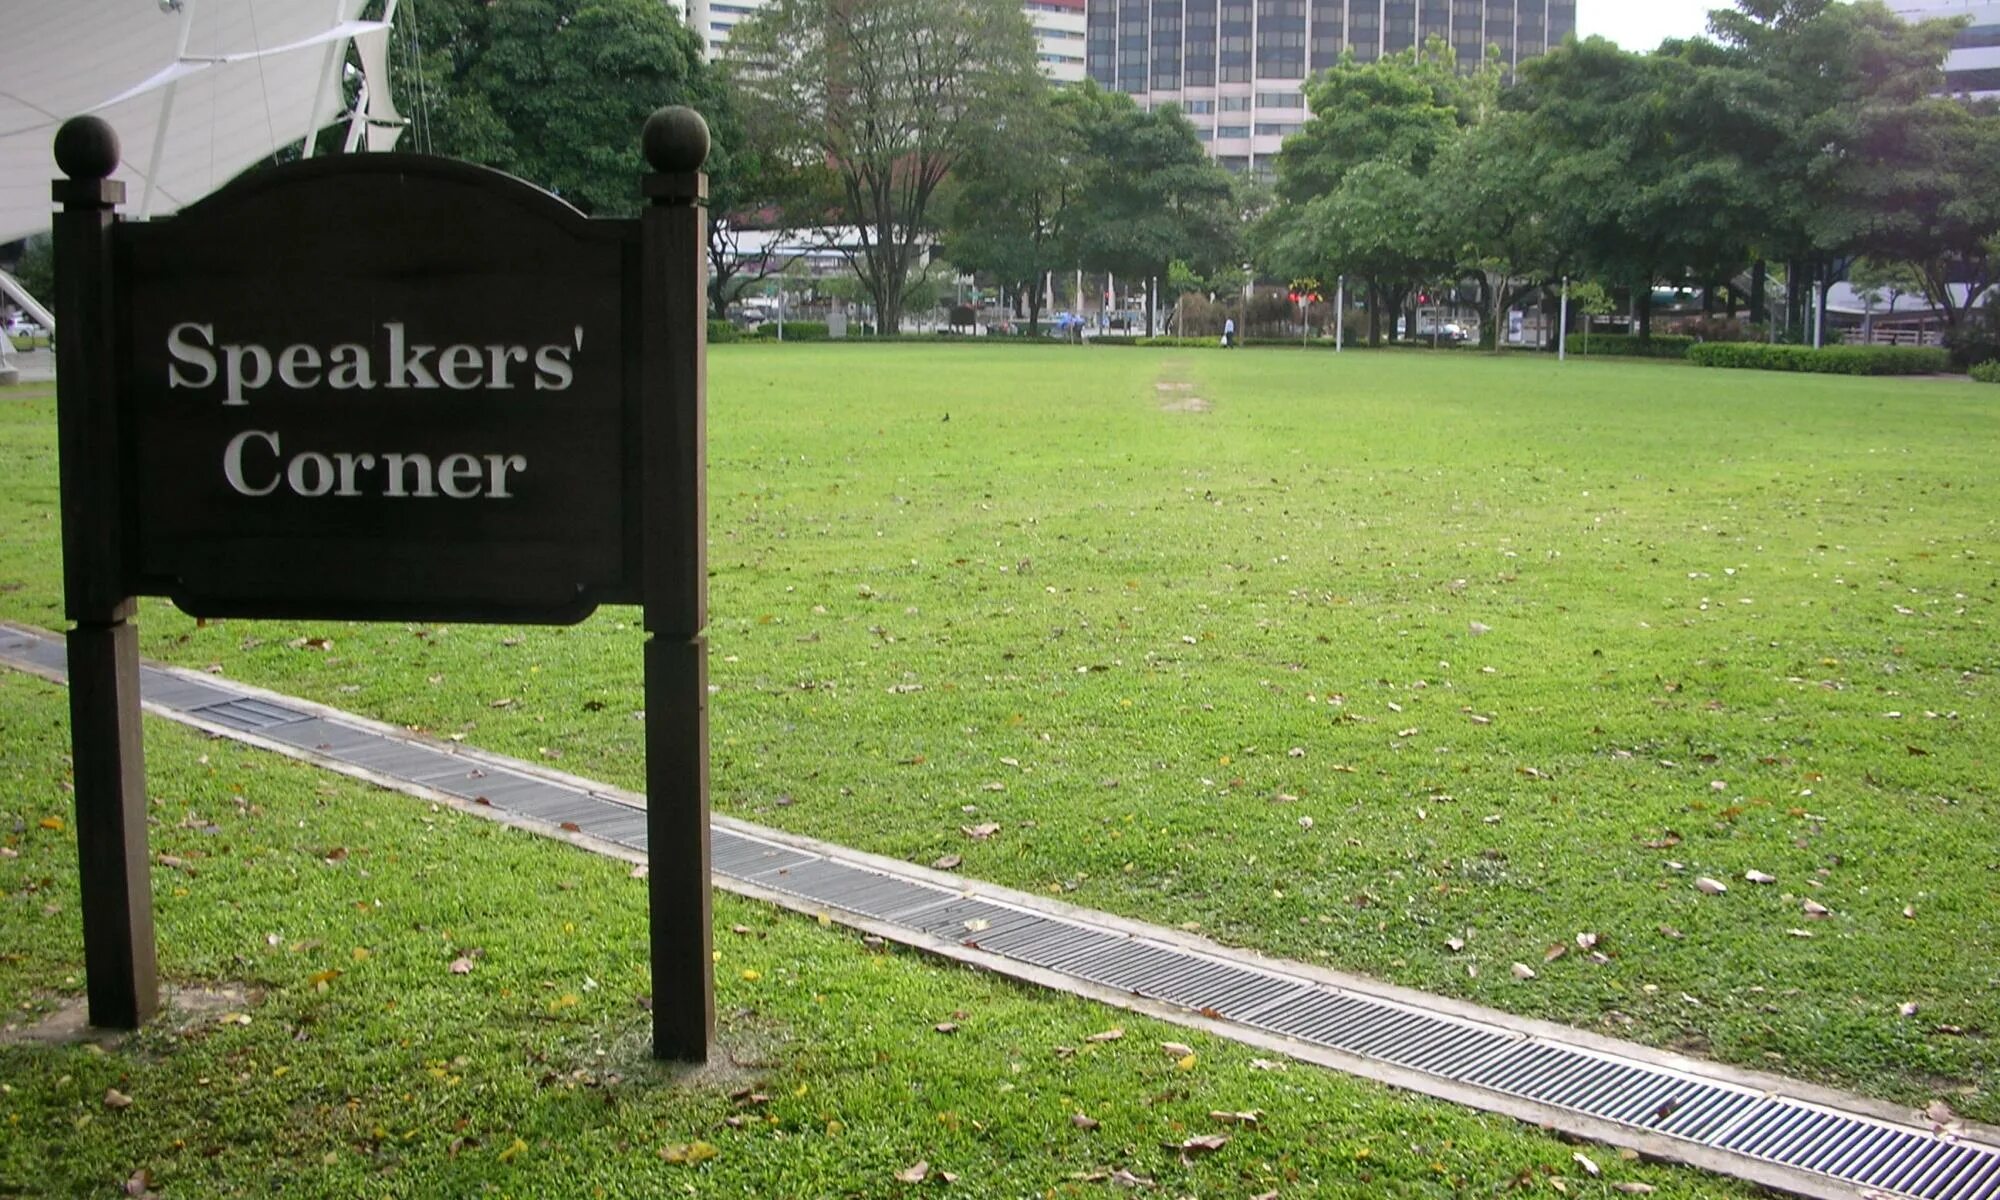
1378	653
357	1063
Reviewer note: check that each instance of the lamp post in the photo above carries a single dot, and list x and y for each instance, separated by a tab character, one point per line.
1339	314
1562	326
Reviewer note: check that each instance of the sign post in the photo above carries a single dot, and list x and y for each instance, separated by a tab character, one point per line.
316	394
113	866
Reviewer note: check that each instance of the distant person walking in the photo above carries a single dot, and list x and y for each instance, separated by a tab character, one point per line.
1228	332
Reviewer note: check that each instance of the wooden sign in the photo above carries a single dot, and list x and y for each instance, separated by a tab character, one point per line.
384	387
431	415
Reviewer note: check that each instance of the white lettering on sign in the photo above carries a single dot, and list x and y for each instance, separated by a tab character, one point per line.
199	361
255	464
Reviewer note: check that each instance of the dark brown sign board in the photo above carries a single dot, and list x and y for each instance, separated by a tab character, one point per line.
384	388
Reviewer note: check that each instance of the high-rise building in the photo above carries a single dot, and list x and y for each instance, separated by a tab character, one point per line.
1236	67
1973	67
1058	27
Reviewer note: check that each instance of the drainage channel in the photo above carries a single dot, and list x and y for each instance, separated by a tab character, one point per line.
1763	1128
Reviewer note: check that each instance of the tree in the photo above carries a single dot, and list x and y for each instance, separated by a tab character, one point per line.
756	182
37	269
1920	184
891	95
1148	193
1874	281
554	91
1009	215
1352	191
1486	188
1640	188
1792	79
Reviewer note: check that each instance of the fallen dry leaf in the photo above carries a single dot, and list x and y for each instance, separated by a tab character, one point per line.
1109	1035
981	831
1586	941
1082	1122
1523	971
1176	1049
950	862
1712	887
1199	1146
1907	1009
1632	1187
461	965
1126	1179
916	1172
945	1027
1817	911
1249	1119
1589	1167
1759	877
113	1098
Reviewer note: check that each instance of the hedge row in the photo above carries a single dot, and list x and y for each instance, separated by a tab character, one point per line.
1987	372
1627	345
1831	360
794	331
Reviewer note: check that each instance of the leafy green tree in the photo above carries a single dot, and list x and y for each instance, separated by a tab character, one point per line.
1148	193
37	269
554	91
1489	202
892	95
1640	189
755	183
1790	85
1008	216
1353	191
1920	184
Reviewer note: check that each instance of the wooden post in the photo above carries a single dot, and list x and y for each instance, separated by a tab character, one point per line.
674	566
105	737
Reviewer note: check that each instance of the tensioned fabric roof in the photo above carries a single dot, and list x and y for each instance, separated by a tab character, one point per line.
197	90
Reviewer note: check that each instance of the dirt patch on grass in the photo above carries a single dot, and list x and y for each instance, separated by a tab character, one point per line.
181	1009
1177	396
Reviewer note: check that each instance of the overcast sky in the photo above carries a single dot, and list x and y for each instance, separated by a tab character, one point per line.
1641	24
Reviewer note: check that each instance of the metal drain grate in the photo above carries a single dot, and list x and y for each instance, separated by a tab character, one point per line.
1854	1150
249	714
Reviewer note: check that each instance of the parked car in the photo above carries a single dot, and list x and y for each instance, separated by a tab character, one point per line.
20	326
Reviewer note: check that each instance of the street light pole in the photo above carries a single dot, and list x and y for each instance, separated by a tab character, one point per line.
1339	314
1562	326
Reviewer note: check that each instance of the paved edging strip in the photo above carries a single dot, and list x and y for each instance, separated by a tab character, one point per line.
1773	1131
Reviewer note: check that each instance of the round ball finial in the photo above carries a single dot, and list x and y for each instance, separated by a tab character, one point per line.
675	139
87	148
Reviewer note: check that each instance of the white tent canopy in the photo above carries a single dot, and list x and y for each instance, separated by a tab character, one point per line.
197	90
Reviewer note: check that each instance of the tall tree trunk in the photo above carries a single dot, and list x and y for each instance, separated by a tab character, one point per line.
1760	278
1374	314
1035	309
1795	304
1643	296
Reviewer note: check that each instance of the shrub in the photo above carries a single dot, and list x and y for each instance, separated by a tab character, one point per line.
1628	345
1832	360
795	331
1977	338
722	331
1987	372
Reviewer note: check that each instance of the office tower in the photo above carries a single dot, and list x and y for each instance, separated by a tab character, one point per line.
1236	67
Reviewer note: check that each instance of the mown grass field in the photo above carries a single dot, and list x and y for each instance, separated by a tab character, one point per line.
354	1061
1353	660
